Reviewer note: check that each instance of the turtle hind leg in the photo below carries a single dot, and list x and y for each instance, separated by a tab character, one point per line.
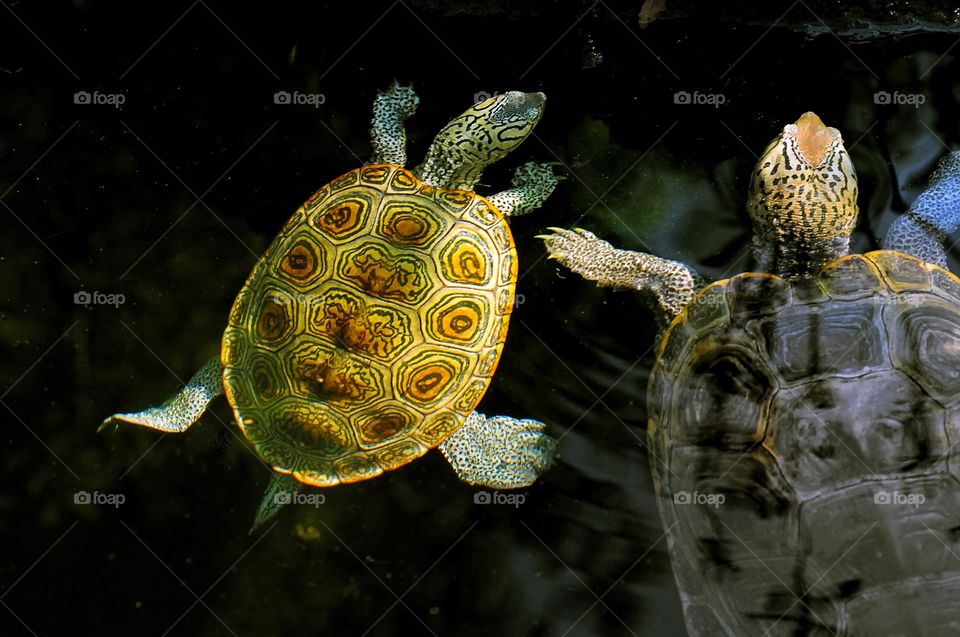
911	234
182	409
933	215
673	283
499	452
387	133
532	184
279	493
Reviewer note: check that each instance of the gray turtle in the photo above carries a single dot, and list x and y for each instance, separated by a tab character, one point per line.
804	418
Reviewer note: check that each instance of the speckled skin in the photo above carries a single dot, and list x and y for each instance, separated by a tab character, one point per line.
933	215
671	282
387	133
802	200
183	409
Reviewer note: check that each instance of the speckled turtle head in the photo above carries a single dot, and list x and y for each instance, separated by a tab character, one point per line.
803	199
481	135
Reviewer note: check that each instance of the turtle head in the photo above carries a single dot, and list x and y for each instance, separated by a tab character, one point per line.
484	133
803	199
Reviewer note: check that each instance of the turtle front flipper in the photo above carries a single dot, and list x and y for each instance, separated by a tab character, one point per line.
673	283
532	184
279	493
182	409
934	214
387	133
499	452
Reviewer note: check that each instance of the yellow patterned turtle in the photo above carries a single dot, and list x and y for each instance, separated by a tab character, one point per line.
805	417
369	331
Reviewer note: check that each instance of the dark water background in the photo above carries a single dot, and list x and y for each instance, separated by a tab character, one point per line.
170	199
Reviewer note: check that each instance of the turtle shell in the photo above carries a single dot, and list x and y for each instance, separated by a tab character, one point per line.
371	327
804	441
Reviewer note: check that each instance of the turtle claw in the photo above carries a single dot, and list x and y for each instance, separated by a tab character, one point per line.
564	243
548	237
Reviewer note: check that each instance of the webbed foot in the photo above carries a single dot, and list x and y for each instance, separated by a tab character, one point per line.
934	215
532	184
391	109
499	452
182	409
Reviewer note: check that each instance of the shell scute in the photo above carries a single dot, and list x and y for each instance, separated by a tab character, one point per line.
805	417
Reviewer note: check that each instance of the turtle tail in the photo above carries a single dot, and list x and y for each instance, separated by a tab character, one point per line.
280	492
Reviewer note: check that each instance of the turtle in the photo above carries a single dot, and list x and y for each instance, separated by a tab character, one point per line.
804	418
371	327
